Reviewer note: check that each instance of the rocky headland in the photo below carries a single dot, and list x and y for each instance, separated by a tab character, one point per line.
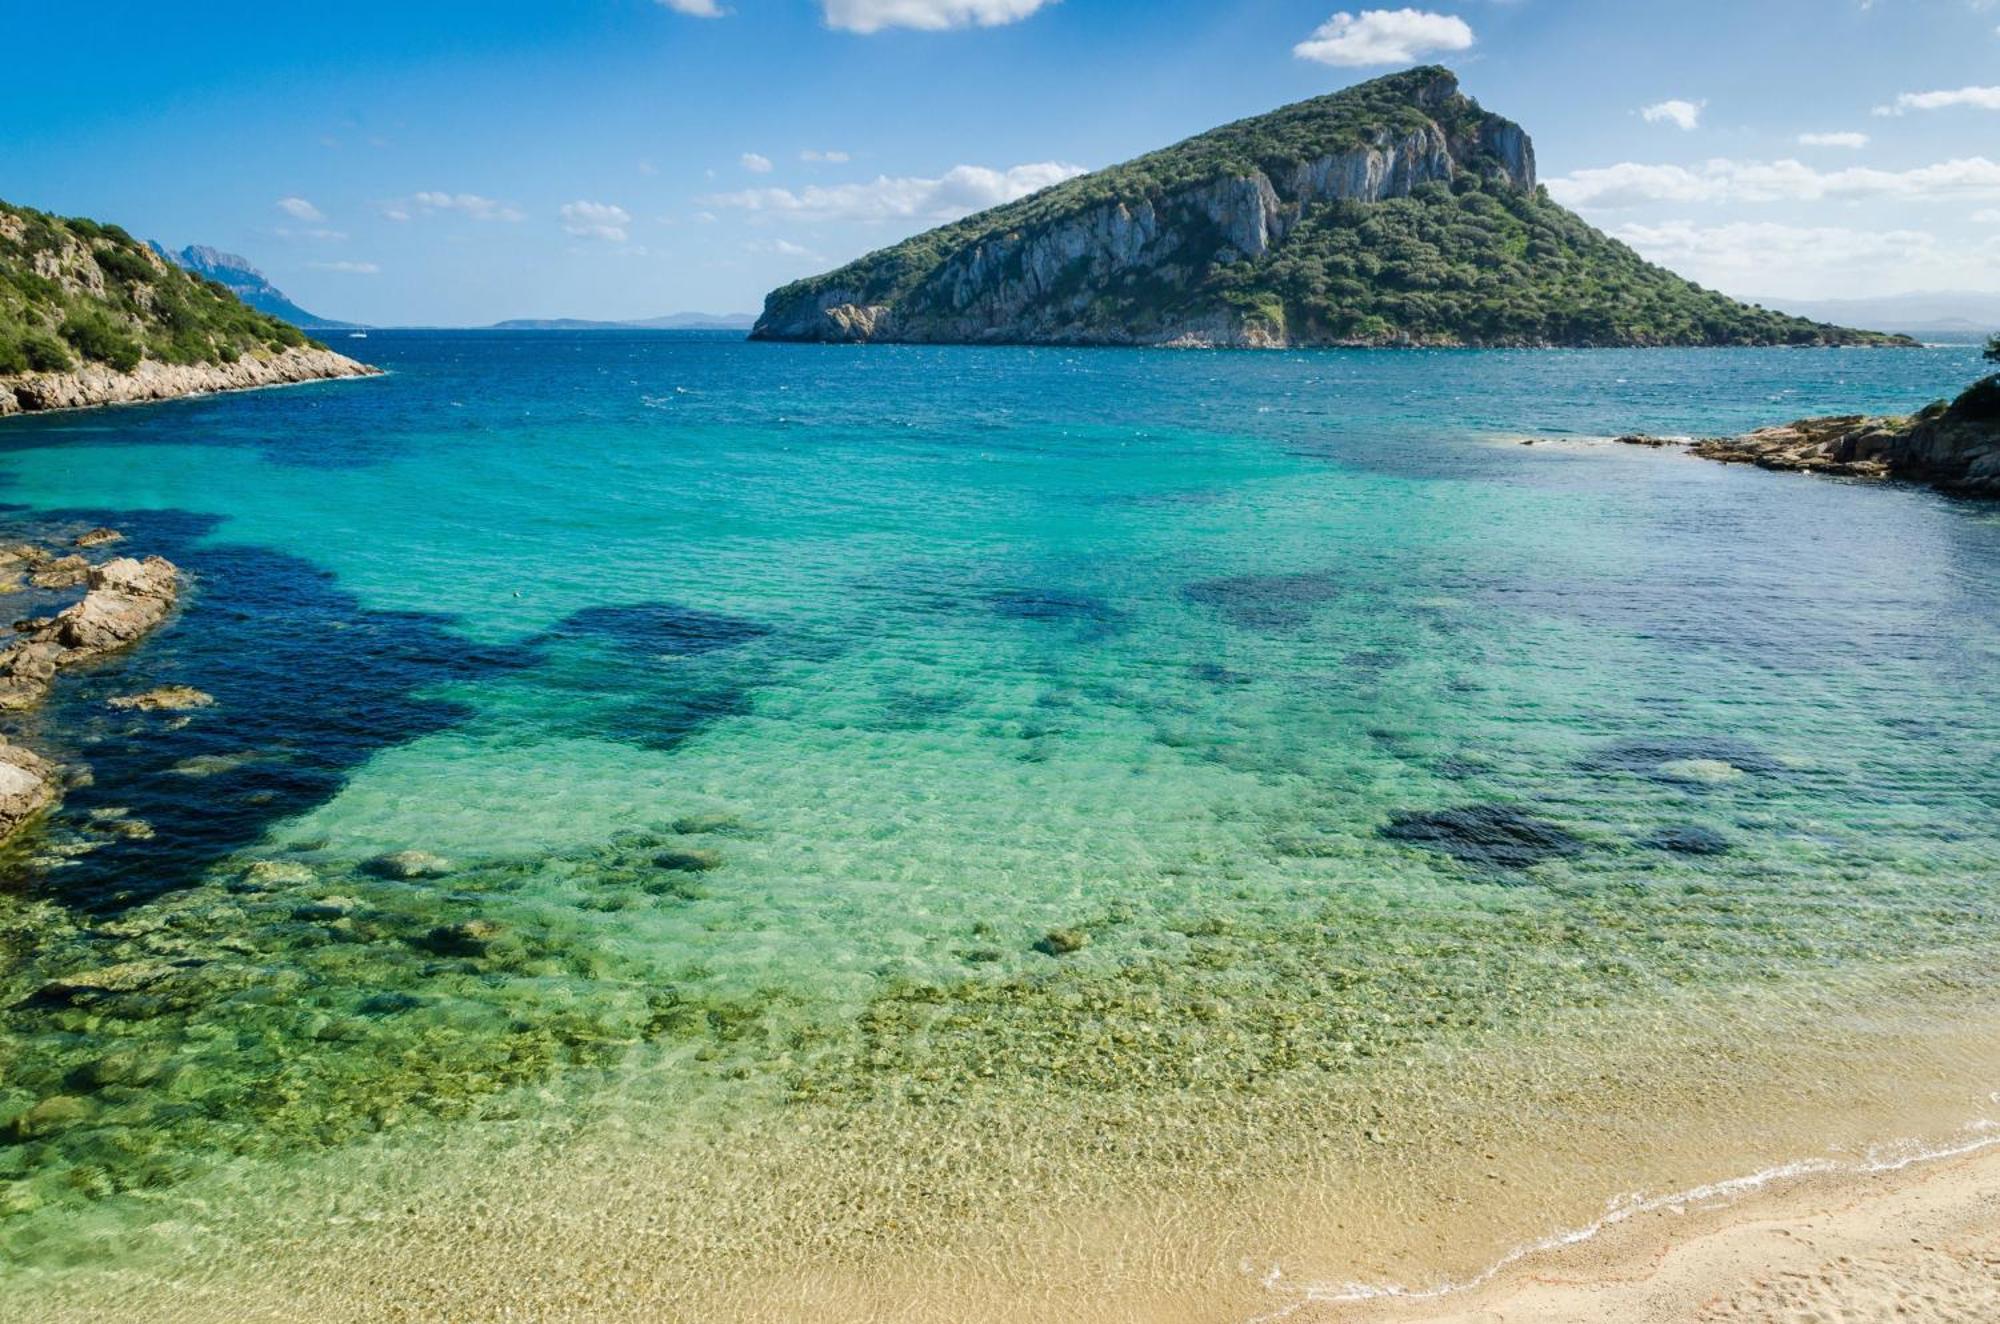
124	600
1953	446
91	316
1394	212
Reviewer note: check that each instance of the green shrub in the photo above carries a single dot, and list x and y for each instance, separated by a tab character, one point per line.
124	264
96	338
45	353
1992	354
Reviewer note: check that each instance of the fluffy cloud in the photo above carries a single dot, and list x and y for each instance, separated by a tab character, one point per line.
961	191
299	209
756	164
466	204
1384	36
1630	184
1978	98
926	15
351	268
1680	114
698	8
1850	140
824	158
1810	261
596	220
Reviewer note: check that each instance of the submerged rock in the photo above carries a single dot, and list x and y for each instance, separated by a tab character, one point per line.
104	981
1266	602
269	875
1063	942
1682	758
688	861
1700	772
472	937
163	698
99	537
407	864
1490	835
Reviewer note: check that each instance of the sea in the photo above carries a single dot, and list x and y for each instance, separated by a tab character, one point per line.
699	830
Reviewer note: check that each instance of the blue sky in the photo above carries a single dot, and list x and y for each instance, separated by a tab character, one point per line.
445	162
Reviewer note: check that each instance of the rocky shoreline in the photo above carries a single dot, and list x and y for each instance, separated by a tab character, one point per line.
97	384
124	600
1953	447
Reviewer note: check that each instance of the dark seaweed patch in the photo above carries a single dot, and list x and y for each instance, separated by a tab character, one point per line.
1487	835
1266	602
658	628
1687	839
1644	756
1091	616
308	685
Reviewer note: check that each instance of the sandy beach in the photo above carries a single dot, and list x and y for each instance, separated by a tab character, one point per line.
1920	1244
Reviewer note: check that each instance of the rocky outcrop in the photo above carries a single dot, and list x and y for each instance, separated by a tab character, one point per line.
1954	447
126	600
29	784
99	384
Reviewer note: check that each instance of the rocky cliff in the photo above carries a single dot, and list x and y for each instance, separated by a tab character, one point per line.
1394	212
89	316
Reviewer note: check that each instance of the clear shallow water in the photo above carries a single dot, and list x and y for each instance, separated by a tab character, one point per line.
775	706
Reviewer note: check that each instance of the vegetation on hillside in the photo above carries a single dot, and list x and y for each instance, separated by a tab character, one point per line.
1992	354
1477	260
73	291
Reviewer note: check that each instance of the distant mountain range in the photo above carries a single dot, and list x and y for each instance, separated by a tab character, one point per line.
671	322
1934	316
248	284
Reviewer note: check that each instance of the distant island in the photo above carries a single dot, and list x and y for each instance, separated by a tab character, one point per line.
1395	212
670	322
248	284
91	316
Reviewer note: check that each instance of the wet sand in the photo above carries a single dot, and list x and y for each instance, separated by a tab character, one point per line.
1919	1244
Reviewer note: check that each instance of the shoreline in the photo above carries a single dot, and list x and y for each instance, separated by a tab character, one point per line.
1785	1243
152	382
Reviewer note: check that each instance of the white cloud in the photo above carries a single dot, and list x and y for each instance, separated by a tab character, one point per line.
926	15
299	209
468	204
1384	36
1630	184
351	268
1810	261
962	190
1680	114
596	220
756	164
1850	140
1978	98
824	158
698	8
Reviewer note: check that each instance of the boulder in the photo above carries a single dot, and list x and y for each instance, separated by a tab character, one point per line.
99	537
408	864
67	572
163	698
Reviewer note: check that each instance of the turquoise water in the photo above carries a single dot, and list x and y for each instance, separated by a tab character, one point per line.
1177	723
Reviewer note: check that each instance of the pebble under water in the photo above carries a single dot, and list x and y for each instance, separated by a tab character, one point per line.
978	834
